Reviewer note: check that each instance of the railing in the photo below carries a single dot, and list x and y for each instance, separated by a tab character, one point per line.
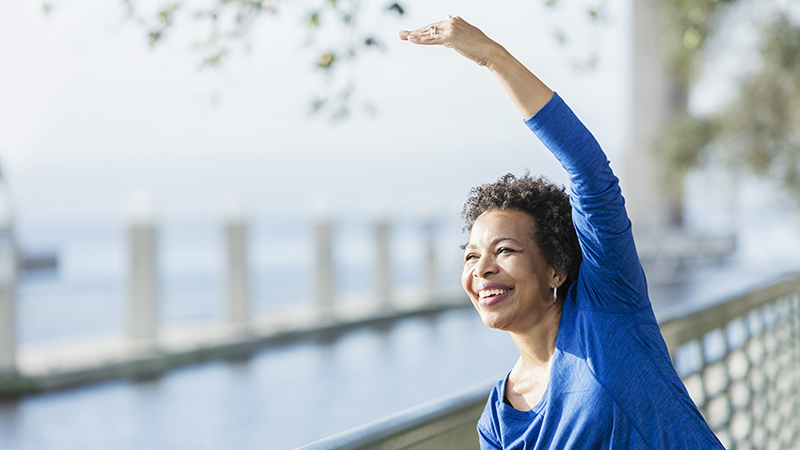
739	359
444	424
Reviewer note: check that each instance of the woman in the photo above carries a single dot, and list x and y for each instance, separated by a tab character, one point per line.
593	371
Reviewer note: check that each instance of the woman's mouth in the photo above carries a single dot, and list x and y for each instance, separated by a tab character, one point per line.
488	297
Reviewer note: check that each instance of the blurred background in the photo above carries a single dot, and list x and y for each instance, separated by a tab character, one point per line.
187	116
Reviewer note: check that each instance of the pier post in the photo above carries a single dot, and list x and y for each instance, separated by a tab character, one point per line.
324	276
143	283
656	98
431	268
8	278
383	281
237	269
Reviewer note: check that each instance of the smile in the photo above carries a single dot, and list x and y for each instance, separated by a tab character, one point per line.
489	297
492	292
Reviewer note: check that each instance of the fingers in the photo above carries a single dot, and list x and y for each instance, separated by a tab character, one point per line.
433	34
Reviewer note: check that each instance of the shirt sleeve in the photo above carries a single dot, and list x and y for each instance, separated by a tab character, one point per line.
611	277
486	443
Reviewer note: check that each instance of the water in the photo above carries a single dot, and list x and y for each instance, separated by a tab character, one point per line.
281	398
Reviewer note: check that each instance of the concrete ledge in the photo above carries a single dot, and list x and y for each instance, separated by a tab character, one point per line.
70	363
448	423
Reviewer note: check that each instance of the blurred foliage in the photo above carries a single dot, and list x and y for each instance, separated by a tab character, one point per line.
595	14
758	131
230	23
687	25
680	149
761	130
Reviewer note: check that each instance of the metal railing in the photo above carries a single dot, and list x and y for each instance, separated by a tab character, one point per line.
448	423
739	359
740	362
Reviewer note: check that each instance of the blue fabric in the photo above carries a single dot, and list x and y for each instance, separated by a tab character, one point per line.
612	383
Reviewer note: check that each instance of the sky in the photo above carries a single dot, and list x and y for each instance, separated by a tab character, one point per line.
90	114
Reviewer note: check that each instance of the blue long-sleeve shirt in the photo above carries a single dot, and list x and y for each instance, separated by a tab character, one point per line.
612	383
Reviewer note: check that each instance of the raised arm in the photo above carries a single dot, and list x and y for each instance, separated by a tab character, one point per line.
611	275
527	92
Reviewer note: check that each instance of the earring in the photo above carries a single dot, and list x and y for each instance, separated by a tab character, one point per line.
555	294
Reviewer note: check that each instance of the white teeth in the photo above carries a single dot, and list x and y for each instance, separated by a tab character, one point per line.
490	292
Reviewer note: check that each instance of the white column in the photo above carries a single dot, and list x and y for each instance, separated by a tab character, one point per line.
383	281
8	278
143	283
237	268
324	276
657	97
431	264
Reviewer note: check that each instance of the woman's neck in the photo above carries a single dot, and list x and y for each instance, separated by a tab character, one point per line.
537	344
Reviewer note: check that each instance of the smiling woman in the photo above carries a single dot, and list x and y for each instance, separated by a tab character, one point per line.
562	276
547	204
504	269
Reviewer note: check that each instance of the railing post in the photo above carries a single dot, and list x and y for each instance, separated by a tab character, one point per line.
383	280
8	279
143	283
431	267
324	276
237	268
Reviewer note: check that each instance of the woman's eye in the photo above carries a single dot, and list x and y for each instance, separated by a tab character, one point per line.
470	256
505	250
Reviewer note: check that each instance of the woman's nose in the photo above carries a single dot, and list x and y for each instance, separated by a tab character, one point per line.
486	266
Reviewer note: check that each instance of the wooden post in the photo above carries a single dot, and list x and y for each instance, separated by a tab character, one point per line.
237	269
143	283
383	280
324	277
8	279
656	99
432	270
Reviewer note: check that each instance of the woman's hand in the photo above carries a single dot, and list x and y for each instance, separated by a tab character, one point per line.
527	92
456	33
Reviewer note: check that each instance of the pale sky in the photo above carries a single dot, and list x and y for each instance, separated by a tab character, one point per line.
89	113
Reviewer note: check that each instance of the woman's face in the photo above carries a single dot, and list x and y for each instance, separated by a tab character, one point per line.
505	275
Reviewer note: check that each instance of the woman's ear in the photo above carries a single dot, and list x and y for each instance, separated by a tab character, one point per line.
559	278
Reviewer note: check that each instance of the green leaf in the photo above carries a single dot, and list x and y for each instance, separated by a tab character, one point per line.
154	37
560	36
326	61
396	8
214	58
166	14
313	19
692	38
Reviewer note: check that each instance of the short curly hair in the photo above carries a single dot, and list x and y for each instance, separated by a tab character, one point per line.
547	203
